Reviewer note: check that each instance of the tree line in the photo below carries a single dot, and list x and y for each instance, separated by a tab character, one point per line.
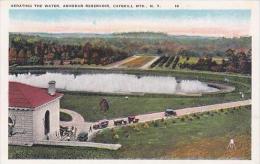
27	52
235	61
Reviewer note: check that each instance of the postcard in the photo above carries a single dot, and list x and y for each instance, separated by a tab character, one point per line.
139	80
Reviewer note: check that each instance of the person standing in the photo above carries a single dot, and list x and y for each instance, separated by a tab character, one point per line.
90	128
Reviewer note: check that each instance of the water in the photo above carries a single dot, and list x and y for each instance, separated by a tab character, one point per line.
115	83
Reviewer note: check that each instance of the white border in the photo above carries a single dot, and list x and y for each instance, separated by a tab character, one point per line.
165	4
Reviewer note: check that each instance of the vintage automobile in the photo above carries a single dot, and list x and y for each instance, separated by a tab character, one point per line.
132	119
101	124
83	136
136	120
120	122
96	126
169	112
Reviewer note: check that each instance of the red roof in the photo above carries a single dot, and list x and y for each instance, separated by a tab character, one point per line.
27	96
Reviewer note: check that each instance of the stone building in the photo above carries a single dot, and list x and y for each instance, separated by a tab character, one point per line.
33	113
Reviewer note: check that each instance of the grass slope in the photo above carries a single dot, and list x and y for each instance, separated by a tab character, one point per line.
88	105
193	138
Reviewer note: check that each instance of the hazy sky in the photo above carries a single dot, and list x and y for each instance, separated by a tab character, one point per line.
227	23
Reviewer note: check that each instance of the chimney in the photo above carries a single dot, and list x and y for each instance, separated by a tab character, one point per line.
51	88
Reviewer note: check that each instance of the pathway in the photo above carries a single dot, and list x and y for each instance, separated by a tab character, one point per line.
121	62
187	111
77	120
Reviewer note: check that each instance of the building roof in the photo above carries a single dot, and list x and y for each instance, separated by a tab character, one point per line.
27	96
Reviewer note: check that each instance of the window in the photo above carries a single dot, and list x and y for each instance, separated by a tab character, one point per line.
47	122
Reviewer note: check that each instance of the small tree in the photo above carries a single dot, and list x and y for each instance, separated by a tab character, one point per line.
104	105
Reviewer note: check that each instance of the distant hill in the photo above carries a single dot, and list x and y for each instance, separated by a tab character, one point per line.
146	42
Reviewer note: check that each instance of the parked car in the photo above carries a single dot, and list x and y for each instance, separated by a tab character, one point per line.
120	122
96	126
136	120
132	119
101	124
170	112
83	136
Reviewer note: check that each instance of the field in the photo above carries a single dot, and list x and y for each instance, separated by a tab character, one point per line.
191	60
219	60
167	63
138	62
204	136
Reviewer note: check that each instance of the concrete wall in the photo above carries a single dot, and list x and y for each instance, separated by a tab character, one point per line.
38	121
23	129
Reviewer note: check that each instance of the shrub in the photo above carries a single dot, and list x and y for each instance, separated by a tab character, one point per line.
132	126
116	137
162	120
146	125
155	123
127	135
221	110
190	119
173	121
113	131
136	128
182	119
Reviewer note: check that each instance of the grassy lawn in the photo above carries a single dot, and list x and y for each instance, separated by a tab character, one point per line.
204	136
65	117
182	59
193	60
88	105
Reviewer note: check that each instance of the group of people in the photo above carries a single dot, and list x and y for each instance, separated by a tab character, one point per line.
68	133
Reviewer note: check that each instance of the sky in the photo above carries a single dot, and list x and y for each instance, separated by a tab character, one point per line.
226	23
